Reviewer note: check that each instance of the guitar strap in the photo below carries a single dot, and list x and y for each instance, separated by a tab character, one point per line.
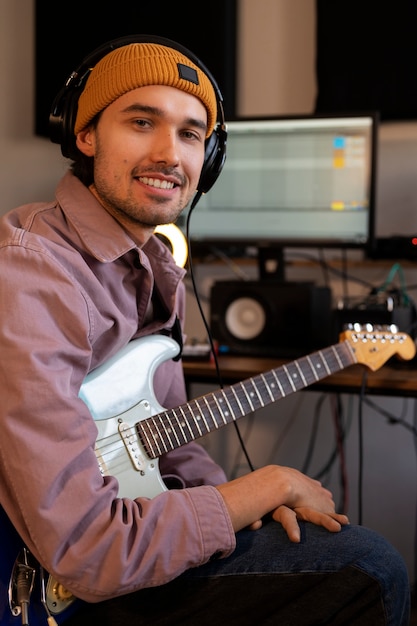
176	334
159	308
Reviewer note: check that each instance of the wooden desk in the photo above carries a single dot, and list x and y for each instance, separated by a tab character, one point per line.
389	380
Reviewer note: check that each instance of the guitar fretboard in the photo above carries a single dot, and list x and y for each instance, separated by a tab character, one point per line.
175	427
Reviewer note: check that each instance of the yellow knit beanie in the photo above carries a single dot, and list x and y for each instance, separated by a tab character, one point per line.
137	65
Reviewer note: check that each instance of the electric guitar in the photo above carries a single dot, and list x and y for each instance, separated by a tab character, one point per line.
134	431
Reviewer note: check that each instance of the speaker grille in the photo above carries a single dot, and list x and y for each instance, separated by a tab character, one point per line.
269	318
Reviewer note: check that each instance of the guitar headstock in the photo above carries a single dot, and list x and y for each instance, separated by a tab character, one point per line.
375	345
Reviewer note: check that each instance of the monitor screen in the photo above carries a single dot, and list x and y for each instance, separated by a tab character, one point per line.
293	181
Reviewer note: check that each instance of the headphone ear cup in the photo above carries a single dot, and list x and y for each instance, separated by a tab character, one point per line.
62	120
214	158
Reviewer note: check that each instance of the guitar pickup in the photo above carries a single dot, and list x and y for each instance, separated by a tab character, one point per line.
130	440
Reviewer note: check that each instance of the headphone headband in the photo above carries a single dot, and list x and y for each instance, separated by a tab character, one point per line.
64	107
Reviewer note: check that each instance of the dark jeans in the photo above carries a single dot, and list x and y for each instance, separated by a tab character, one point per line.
354	577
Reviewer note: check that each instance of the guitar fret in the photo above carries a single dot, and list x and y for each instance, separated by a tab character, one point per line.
273	385
202	415
247	396
219	404
182	424
152	422
297	364
196	421
328	371
234	408
252	394
307	374
312	367
337	357
290	378
280	387
257	395
163	435
186	422
180	429
226	410
286	382
236	395
216	410
348	354
223	406
210	411
142	428
267	387
351	358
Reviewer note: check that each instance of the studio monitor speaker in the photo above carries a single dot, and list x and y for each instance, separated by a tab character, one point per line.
270	318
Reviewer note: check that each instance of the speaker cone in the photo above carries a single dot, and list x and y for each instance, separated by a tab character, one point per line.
245	318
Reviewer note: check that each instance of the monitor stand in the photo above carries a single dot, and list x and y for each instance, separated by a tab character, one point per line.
271	263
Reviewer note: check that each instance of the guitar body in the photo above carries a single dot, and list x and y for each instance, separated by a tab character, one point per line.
119	394
134	431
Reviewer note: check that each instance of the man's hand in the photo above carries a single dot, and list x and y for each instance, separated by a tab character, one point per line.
289	520
284	493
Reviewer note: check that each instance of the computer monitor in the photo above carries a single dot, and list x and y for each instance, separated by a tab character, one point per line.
301	181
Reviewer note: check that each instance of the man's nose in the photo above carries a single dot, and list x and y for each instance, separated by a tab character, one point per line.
166	149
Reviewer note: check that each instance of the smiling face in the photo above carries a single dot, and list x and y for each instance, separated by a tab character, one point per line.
148	149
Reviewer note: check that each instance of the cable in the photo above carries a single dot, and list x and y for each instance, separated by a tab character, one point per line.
338	451
206	325
230	263
392	419
285	430
360	446
313	437
328	268
396	269
340	441
248	431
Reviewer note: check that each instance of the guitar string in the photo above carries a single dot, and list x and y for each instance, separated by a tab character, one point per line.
155	431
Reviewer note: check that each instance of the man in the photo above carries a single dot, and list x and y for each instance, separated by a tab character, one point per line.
84	276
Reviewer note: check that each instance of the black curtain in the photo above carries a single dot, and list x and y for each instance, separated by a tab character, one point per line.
83	25
367	57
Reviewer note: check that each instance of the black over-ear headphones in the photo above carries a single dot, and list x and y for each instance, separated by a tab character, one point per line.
64	107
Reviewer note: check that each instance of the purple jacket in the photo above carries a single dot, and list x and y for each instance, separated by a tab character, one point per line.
74	289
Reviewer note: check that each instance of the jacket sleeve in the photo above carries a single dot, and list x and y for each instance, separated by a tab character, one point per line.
93	541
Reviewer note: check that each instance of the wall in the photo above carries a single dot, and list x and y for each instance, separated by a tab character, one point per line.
271	32
29	166
276	74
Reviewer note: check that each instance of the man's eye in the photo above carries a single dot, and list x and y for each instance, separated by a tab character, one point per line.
190	135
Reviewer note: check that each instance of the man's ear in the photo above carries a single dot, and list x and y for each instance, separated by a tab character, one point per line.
84	142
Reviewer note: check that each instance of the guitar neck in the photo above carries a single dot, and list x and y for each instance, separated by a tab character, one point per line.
173	428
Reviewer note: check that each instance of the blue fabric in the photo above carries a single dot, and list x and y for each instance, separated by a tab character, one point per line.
354	577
